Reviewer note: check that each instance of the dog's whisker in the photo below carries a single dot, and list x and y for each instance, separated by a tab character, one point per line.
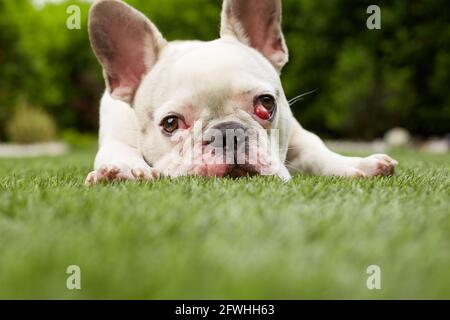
300	97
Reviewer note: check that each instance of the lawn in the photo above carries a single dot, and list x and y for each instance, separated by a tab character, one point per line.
312	237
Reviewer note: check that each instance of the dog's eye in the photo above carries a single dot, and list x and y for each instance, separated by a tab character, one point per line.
170	124
268	102
265	106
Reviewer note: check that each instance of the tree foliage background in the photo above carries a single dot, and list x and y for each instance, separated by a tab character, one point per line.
368	80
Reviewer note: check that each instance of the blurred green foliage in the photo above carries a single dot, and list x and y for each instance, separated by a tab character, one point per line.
30	125
368	80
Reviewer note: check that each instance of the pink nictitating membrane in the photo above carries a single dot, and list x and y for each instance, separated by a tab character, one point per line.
262	112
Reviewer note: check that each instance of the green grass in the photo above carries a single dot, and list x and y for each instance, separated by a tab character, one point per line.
252	238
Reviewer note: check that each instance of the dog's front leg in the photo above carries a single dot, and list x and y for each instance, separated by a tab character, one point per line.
118	161
307	153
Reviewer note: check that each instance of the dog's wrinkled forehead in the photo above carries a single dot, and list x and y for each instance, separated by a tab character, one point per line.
219	61
215	77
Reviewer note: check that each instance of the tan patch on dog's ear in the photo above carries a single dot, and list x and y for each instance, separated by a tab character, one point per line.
257	23
126	43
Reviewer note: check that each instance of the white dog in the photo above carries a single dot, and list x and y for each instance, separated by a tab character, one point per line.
167	104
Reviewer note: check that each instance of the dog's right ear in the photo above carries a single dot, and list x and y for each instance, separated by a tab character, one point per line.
256	23
126	43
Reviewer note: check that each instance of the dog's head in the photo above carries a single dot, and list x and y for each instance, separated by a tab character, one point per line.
207	108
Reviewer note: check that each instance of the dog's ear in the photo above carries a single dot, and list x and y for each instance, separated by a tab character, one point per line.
126	43
256	23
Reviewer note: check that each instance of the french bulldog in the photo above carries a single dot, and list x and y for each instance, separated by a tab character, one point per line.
170	107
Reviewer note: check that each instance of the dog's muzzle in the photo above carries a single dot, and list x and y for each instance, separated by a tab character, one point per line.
233	139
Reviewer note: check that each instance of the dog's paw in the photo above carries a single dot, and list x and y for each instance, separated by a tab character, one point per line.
119	172
144	174
377	165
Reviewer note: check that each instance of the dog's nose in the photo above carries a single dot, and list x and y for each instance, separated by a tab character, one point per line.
233	135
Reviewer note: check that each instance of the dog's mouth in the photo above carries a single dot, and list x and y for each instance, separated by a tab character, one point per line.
238	171
233	171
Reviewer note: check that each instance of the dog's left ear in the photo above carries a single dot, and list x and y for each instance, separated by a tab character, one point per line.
257	23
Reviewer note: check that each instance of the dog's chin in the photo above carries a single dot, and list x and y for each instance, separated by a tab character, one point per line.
233	171
239	171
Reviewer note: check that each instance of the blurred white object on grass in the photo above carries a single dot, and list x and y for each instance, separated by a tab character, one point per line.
436	145
33	150
397	137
